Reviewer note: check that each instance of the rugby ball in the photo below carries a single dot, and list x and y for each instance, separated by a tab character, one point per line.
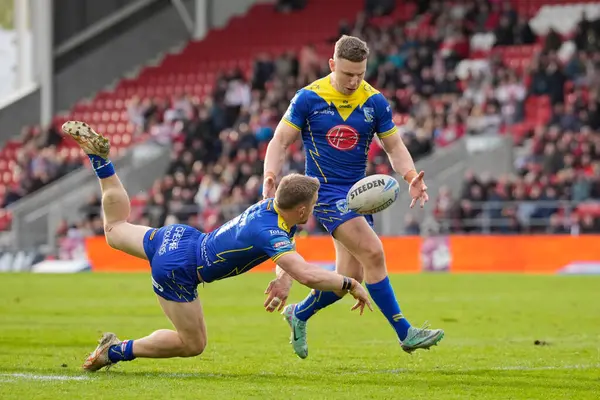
373	194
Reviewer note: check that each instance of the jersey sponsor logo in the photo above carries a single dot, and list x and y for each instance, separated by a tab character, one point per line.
345	104
327	111
157	286
171	239
282	244
368	111
276	232
342	137
365	187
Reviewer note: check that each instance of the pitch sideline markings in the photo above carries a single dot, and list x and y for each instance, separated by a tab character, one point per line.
34	377
16	376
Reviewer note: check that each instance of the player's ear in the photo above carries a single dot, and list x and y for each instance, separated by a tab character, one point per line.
332	64
302	211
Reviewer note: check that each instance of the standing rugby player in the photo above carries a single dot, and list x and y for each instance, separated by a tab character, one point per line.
337	117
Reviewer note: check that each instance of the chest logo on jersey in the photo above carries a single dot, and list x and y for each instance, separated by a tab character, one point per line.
342	137
368	111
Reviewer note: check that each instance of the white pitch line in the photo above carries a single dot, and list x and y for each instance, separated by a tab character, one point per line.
15	376
545	368
35	377
483	368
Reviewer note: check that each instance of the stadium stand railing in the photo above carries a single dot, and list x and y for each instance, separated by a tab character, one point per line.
515	217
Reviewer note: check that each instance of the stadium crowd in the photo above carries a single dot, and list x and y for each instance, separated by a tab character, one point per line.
218	143
559	165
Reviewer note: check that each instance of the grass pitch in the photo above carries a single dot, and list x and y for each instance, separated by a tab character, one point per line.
49	323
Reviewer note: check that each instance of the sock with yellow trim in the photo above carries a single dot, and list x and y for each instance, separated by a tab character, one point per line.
121	352
315	301
383	295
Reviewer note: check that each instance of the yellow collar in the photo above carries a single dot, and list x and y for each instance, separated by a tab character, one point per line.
345	104
280	221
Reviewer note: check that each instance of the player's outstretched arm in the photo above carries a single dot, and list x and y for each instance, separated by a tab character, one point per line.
400	158
402	162
317	278
285	135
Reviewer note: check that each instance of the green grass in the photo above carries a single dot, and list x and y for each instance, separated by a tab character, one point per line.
7	11
48	324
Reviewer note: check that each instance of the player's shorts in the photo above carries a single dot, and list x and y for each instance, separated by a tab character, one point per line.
172	253
332	210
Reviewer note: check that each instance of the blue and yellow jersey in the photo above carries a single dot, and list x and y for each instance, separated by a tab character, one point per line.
337	129
259	233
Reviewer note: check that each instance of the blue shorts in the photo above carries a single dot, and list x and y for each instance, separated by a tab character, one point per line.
332	210
172	253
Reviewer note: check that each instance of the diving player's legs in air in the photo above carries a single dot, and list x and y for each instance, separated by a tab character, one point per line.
181	306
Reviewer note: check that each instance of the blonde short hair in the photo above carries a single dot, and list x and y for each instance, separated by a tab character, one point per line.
295	189
351	48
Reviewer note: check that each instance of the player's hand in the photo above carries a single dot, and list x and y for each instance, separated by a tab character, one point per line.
277	291
360	294
268	187
418	190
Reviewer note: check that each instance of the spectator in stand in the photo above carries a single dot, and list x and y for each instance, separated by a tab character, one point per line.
423	6
587	34
477	86
237	97
309	62
505	32
556	81
286	66
411	225
552	42
579	69
547	78
444	204
556	225
522	32
510	94
379	7
508	11
448	84
263	71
